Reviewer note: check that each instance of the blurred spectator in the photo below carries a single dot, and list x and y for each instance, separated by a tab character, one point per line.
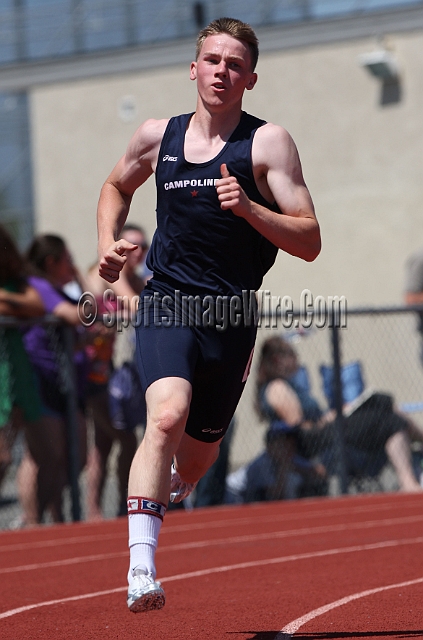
132	279
115	397
20	404
374	429
52	267
279	473
414	287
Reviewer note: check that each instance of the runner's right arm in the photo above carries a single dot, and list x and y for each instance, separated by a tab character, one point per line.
132	170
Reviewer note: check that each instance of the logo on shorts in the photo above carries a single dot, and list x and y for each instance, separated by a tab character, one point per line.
170	158
211	430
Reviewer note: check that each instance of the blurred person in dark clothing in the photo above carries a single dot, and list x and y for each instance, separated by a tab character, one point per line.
375	428
20	403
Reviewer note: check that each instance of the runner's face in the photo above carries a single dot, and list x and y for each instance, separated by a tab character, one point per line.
223	70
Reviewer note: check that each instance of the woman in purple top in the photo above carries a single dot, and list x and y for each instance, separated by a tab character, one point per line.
52	267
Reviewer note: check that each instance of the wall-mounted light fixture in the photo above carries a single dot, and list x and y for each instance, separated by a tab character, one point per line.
383	65
380	64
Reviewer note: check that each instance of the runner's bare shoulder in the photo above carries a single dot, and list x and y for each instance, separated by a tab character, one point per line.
147	139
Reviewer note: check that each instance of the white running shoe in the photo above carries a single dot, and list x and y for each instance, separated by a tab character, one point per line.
179	490
144	593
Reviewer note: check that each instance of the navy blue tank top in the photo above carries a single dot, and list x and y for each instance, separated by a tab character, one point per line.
198	248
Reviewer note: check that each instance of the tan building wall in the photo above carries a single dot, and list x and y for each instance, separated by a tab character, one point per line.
363	162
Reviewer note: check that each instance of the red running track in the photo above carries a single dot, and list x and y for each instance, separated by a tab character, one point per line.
325	568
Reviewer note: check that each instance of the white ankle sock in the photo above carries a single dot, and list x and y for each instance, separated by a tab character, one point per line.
144	532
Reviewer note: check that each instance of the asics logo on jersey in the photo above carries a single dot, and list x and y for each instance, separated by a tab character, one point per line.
170	158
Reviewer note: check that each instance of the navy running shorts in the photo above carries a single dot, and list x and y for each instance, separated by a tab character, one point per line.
215	361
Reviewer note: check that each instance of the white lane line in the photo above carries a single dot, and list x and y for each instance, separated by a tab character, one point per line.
222	541
293	626
57	542
223	569
185	546
369	524
64	563
49	603
215	524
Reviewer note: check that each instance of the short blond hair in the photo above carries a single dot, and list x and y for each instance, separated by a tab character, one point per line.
236	29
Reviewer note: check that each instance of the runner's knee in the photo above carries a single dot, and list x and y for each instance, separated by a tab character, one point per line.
167	423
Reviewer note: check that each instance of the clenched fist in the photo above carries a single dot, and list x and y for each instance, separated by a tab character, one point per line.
113	259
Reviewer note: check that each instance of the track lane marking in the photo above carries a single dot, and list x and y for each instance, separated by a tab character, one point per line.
291	628
223	569
57	542
366	524
206	525
185	546
64	563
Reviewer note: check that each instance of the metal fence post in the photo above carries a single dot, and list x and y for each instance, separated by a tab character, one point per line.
338	402
72	420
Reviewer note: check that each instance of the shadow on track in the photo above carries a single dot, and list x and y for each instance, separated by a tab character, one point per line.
332	635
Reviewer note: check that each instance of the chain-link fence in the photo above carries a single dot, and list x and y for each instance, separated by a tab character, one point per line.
383	347
359	447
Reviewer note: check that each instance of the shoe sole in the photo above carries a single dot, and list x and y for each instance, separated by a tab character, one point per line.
148	602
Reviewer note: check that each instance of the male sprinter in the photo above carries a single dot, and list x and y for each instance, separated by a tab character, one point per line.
230	193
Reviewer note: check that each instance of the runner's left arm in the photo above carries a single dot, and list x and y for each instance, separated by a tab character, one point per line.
279	177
